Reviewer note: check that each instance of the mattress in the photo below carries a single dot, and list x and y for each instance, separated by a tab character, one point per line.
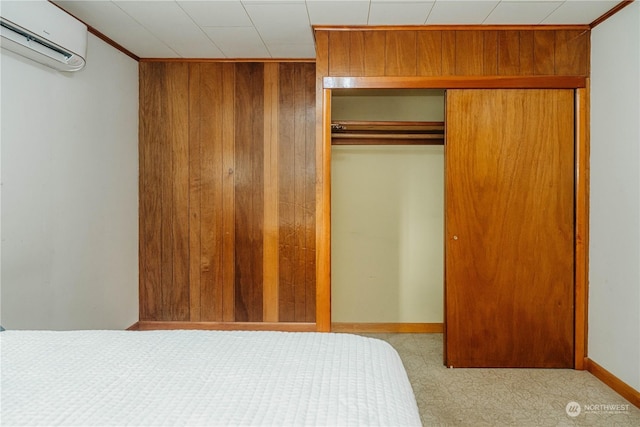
201	378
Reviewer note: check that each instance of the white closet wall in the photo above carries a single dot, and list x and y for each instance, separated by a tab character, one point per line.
387	211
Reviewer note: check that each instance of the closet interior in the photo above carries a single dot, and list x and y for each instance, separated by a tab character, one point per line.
387	201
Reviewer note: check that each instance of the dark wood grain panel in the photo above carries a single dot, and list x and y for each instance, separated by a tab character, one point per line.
310	194
356	53
296	180
544	48
469	53
151	100
374	53
490	53
249	190
194	192
228	192
429	53
286	194
449	53
572	52
509	262
509	53
400	56
339	43
211	232
179	110
164	226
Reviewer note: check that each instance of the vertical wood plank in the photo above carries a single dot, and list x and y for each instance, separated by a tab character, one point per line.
509	53
286	194
310	193
374	54
228	82
323	196
150	217
356	53
469	53
526	53
582	225
195	119
429	53
490	53
448	53
544	43
179	106
323	215
299	134
338	53
211	211
572	53
270	260
249	191
400	58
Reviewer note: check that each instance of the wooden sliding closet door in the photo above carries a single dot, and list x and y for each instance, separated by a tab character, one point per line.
509	290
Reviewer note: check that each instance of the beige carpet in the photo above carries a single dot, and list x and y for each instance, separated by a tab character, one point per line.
504	397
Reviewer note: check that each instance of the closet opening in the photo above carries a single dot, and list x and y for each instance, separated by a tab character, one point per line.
387	210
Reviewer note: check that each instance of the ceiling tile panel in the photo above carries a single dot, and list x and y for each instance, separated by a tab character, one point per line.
579	12
112	21
292	50
521	12
349	12
168	22
216	13
399	13
280	22
238	42
461	11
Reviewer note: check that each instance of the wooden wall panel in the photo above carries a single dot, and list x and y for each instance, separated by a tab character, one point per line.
509	53
572	51
429	53
469	53
400	57
375	48
249	190
296	181
516	51
203	177
164	185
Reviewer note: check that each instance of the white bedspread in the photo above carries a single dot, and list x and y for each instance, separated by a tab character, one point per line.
201	378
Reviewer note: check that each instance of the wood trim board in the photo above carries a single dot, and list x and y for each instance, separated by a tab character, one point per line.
456	82
228	326
619	386
421	328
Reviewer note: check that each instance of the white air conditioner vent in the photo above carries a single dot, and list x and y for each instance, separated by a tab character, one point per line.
41	31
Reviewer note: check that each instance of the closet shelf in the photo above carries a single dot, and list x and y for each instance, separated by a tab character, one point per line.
386	133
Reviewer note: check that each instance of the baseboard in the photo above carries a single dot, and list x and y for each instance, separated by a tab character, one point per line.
228	326
134	327
387	327
619	386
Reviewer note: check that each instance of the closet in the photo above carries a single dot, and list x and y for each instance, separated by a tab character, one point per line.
516	150
387	209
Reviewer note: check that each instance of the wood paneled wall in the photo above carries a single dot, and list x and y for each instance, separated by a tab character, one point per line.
227	192
462	52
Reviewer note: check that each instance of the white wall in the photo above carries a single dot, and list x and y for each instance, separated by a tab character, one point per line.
614	276
70	193
387	214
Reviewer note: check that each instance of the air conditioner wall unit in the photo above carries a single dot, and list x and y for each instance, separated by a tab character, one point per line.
41	31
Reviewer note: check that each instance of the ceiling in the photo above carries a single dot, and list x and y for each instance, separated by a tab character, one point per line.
282	28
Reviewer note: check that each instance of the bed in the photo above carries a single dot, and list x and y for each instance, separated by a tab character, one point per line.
201	378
